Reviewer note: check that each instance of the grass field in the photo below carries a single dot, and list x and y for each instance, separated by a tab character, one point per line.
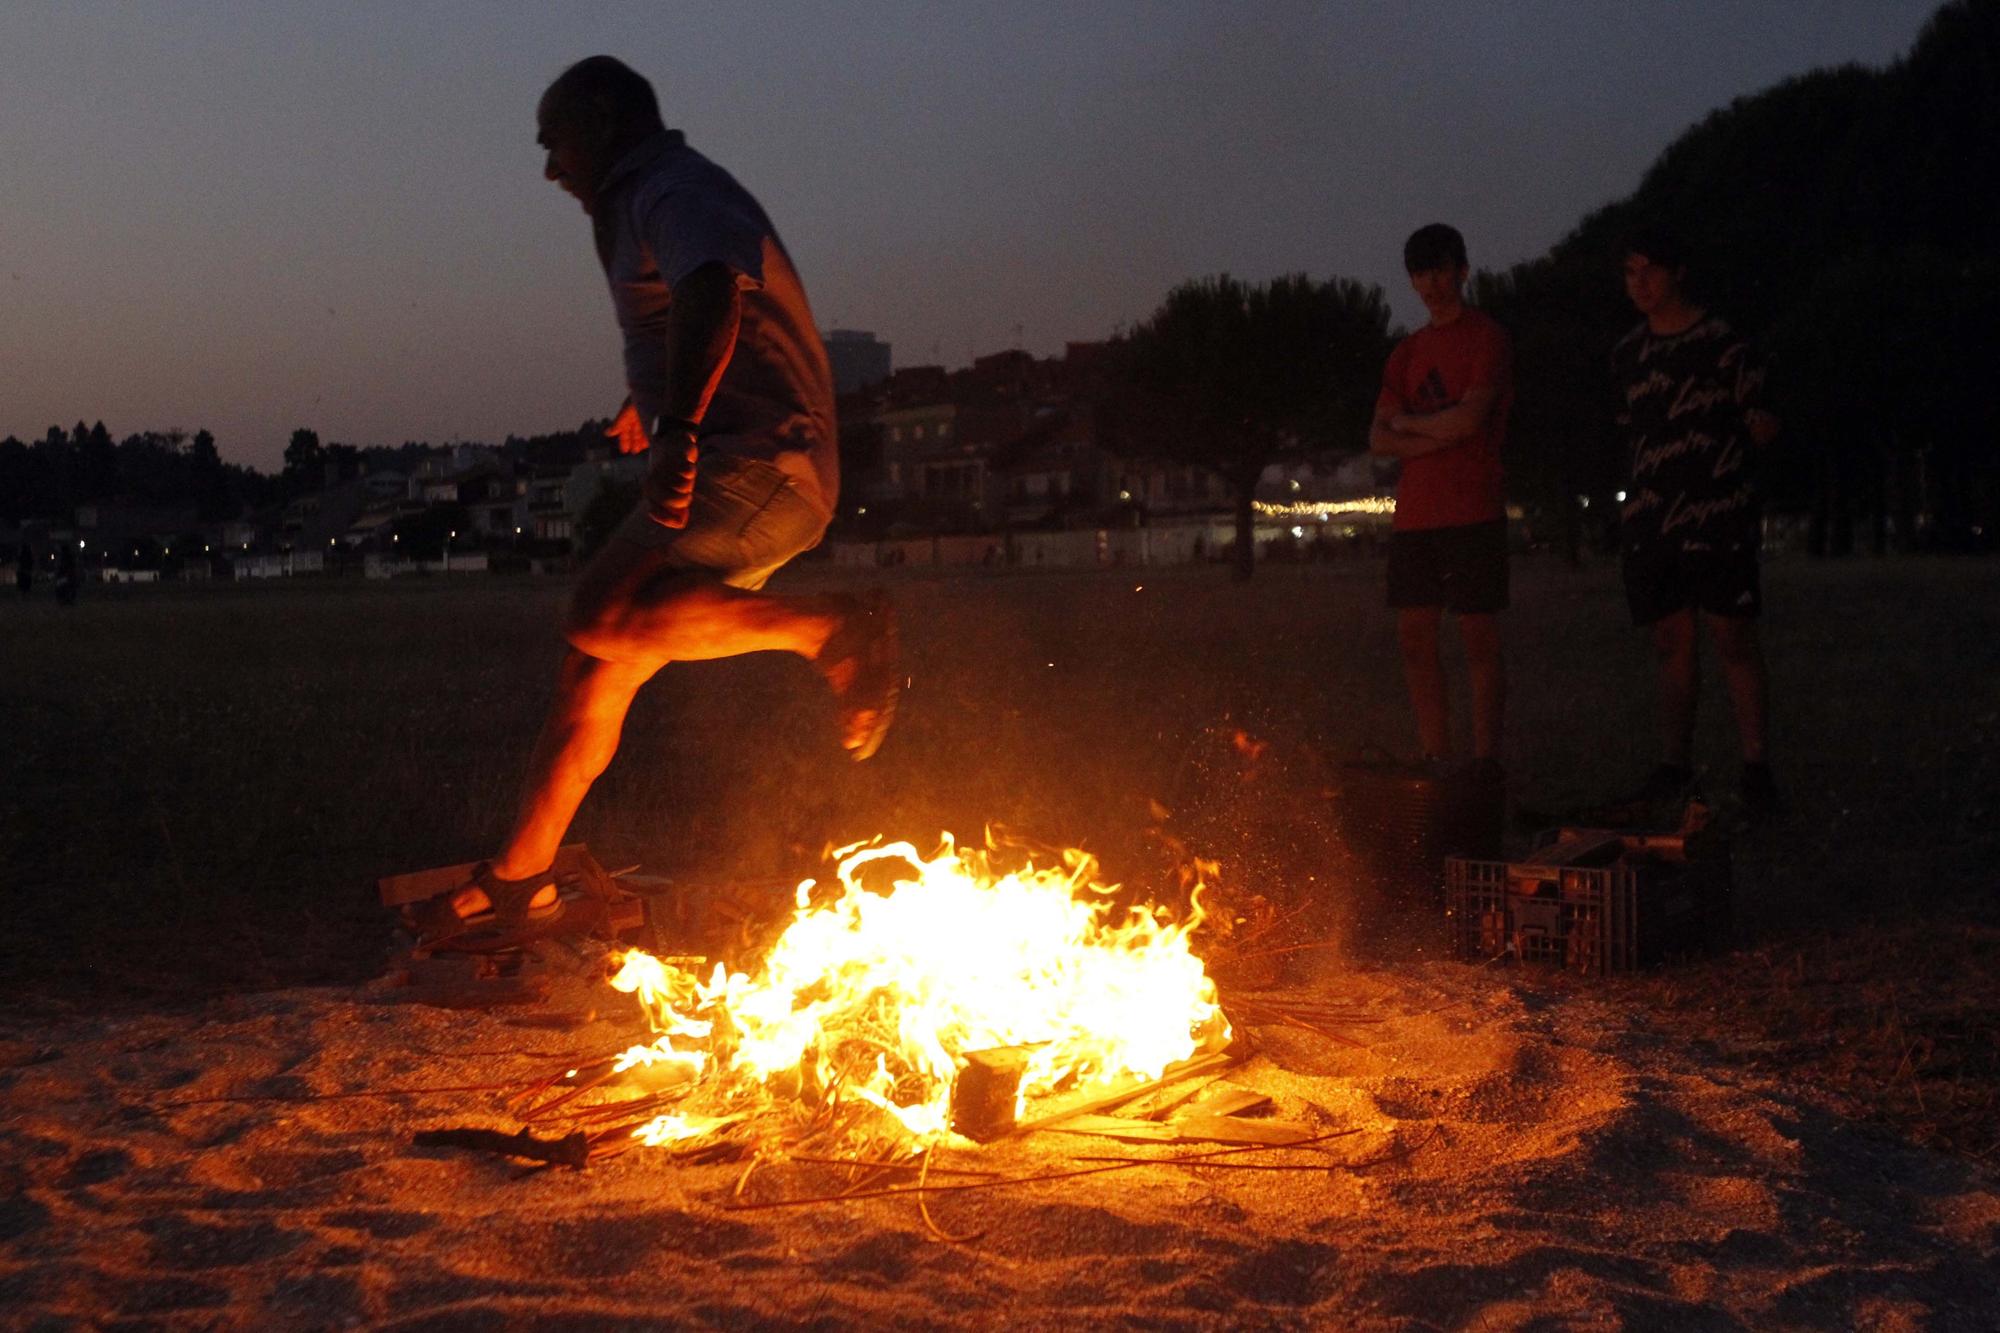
202	784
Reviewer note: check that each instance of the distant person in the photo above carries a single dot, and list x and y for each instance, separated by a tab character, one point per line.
1693	418
731	392
24	569
66	575
1443	411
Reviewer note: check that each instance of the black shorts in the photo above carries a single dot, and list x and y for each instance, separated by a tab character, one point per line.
1721	580
1462	569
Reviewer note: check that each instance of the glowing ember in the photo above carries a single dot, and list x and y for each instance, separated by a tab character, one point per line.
876	996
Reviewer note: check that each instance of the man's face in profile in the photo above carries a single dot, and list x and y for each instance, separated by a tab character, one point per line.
574	142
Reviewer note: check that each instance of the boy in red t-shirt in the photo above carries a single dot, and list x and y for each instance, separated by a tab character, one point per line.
1443	411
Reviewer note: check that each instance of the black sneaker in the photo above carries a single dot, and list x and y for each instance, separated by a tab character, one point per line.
1758	794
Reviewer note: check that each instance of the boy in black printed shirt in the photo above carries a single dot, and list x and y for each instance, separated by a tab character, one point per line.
1693	419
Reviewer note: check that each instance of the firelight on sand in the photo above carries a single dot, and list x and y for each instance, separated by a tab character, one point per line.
876	994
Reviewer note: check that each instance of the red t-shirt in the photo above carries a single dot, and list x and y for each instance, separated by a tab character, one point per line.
1432	369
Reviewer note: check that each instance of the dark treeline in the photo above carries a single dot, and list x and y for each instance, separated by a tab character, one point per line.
1848	218
174	470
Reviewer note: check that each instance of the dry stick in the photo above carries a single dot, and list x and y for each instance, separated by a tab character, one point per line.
886	1166
940	1189
542	1109
1437	1132
1195	1159
1124	1165
923	1207
857	1183
1234	1152
1289	1021
631	1105
1226	1166
538	1086
744	1179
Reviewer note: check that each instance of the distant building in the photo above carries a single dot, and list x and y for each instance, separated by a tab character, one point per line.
860	360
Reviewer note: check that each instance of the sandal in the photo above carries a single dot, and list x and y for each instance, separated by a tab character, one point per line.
867	653
510	917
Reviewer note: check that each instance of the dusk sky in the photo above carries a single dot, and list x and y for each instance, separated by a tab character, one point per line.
256	216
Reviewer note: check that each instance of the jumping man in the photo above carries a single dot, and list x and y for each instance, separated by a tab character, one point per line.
731	392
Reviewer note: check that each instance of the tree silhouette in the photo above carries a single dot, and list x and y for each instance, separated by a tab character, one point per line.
304	458
1846	216
1235	377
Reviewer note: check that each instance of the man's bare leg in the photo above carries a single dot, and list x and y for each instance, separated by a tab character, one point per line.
1486	664
632	607
1423	674
1680	686
575	747
1742	652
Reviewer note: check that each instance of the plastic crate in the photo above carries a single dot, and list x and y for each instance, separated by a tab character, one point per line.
1649	898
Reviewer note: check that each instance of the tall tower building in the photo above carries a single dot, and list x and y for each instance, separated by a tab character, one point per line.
859	359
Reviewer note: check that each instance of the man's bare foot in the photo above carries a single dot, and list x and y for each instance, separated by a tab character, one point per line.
862	661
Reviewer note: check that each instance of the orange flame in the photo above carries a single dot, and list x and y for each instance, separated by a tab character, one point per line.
880	994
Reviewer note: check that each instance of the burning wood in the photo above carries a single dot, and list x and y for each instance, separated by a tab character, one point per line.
935	976
985	1102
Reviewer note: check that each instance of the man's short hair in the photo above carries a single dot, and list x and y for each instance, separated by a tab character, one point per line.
610	82
1658	242
1434	246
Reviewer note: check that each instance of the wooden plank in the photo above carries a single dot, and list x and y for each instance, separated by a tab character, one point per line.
399	890
1578	847
1226	1099
1161	1104
1229	1129
1192	1067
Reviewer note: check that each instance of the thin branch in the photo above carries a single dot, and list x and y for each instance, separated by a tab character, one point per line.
923	1207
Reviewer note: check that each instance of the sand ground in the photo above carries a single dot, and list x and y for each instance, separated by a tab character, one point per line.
204	786
1553	1162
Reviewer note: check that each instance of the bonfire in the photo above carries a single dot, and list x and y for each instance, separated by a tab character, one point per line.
869	1005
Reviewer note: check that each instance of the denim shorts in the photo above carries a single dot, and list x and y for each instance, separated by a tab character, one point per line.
746	519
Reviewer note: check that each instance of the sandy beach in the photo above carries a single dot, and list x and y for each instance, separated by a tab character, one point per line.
1542	1159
